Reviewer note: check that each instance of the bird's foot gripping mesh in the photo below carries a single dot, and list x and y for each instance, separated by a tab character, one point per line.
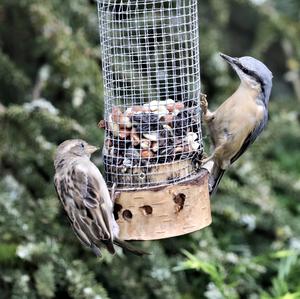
152	87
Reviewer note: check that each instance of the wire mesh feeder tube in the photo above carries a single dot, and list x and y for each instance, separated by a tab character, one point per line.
151	72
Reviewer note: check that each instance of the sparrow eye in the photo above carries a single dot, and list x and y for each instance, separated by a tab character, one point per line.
82	145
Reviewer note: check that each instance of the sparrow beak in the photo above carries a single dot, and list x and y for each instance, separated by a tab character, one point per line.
229	59
91	149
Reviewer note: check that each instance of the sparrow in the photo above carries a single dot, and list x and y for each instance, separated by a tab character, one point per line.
85	197
240	119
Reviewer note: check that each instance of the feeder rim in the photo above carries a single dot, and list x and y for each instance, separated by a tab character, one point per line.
193	179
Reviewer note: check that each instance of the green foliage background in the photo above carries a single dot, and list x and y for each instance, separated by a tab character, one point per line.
51	90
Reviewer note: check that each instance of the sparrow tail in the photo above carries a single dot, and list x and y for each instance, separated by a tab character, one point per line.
126	246
96	250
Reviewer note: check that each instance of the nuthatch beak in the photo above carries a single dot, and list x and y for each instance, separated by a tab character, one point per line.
229	59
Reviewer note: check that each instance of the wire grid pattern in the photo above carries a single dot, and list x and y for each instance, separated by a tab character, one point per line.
151	71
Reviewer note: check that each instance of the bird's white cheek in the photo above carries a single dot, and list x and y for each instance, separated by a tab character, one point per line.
251	83
239	73
254	85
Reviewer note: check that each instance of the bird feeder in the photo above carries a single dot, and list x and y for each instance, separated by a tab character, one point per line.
153	141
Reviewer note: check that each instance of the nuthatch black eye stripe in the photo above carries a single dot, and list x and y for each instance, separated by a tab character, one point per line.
254	76
249	73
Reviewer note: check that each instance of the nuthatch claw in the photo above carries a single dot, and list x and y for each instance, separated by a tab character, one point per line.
236	124
207	115
203	103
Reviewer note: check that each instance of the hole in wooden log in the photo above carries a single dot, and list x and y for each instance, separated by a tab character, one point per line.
117	209
179	200
147	210
127	215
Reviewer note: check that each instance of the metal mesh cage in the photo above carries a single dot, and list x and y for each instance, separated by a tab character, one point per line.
150	61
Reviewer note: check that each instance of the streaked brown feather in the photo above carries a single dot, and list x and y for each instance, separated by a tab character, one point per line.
84	205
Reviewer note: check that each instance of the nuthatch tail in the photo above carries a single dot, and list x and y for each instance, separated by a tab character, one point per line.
241	118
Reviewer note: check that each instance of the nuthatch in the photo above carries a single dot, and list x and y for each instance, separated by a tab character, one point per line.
241	118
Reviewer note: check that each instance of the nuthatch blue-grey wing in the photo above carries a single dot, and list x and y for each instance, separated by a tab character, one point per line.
235	125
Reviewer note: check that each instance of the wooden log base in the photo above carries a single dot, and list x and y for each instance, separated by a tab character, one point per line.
164	212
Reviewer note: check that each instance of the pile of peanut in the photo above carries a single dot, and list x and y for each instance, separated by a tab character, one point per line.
159	131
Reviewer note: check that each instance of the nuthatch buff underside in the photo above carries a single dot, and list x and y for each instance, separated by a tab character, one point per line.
241	118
